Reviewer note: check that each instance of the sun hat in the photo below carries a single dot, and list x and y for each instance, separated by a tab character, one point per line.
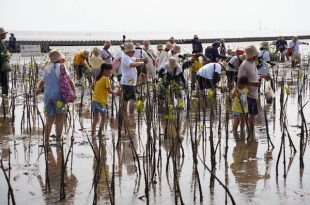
85	53
138	45
146	42
160	47
295	38
176	49
129	47
264	44
55	56
96	51
2	31
251	52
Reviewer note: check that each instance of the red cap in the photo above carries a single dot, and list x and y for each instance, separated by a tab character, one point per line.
239	52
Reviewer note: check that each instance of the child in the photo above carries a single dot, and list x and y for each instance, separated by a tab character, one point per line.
101	91
194	69
239	93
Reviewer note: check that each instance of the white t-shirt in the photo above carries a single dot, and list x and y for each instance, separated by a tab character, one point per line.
207	70
119	56
295	45
172	71
129	74
263	70
235	62
140	53
106	56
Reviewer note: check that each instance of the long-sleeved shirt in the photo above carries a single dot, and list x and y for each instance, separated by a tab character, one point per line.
197	46
212	53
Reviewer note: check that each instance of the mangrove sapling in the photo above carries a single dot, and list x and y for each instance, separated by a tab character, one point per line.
267	130
62	194
219	181
8	182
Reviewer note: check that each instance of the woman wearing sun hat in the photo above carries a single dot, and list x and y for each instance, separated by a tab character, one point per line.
54	107
4	57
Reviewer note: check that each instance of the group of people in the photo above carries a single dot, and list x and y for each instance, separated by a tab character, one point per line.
135	64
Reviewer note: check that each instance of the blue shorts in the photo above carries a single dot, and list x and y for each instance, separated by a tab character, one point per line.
253	107
54	107
97	107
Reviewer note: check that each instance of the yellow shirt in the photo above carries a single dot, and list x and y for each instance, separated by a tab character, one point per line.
236	106
196	65
78	58
96	62
101	90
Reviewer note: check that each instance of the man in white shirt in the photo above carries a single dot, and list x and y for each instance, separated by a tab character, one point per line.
105	53
294	46
209	75
129	76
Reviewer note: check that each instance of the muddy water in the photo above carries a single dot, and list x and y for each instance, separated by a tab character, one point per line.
249	170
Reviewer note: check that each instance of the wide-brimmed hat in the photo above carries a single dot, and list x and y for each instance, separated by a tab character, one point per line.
85	53
129	47
217	43
138	45
176	49
55	56
146	42
107	43
264	44
96	51
2	31
160	47
251	52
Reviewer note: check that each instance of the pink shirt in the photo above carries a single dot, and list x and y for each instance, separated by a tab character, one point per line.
249	69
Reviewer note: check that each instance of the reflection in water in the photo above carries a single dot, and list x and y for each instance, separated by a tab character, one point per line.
54	168
245	167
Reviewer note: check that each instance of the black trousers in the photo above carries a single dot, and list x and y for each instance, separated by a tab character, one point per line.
4	82
204	83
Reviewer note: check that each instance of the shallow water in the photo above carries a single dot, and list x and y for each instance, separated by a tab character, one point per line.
249	170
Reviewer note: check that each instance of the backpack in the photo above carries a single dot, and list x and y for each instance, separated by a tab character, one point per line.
260	61
67	93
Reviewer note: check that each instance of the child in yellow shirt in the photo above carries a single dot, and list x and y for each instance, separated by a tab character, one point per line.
194	69
101	91
240	104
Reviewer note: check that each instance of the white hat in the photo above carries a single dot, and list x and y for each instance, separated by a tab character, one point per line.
251	52
2	31
129	47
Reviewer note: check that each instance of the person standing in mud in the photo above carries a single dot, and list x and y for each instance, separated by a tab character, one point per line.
54	108
81	63
248	68
105	53
295	52
197	45
222	47
12	43
4	58
129	76
281	45
212	52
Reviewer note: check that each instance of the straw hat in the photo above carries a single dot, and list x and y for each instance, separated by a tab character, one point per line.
96	51
146	42
168	45
55	56
295	38
264	44
138	45
242	57
217	44
85	53
107	43
129	47
251	52
160	47
176	49
2	31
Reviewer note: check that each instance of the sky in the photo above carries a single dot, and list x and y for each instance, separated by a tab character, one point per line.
155	15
